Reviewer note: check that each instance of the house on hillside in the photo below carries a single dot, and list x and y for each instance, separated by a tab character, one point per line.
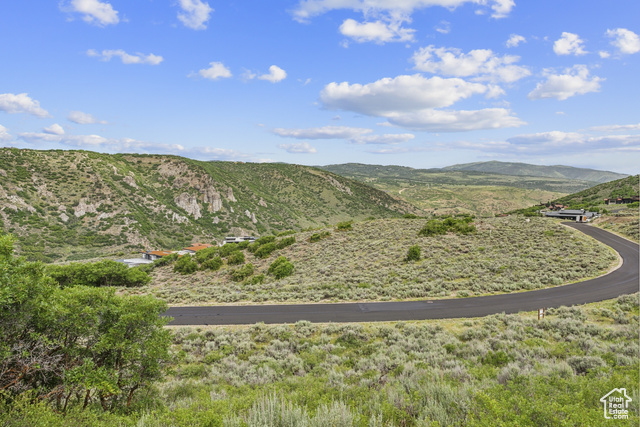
195	248
621	200
579	215
154	255
233	239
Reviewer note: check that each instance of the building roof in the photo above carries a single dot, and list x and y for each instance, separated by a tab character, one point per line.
159	253
198	246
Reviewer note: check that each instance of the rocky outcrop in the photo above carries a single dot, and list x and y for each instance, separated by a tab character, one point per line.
341	187
83	207
211	196
262	203
129	180
189	203
230	196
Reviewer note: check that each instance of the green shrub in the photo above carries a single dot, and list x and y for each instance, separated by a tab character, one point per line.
344	226
213	264
96	274
281	268
205	254
316	237
229	248
460	225
410	216
265	250
185	265
283	243
236	258
265	239
413	254
242	273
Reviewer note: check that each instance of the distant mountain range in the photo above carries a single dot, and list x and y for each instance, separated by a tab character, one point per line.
524	169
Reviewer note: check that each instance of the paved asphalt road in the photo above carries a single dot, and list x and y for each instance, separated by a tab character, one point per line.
624	280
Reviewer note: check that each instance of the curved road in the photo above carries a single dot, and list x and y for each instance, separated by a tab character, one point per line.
624	280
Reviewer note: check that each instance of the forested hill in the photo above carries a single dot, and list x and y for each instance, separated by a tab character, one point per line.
79	204
524	169
625	187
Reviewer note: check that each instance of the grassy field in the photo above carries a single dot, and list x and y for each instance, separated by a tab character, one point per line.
500	370
368	263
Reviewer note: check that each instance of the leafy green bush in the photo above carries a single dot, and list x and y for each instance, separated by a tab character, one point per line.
281	268
204	254
185	265
242	273
410	216
413	254
227	249
461	225
236	258
283	243
265	250
102	273
316	237
344	226
213	264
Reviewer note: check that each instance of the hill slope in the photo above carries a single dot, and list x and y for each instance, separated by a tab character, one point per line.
524	169
80	204
451	191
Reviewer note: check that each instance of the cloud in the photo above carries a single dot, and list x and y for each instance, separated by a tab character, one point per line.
456	121
195	14
626	41
83	118
482	63
444	27
378	31
300	148
326	132
21	103
95	12
569	44
412	102
125	57
4	134
386	139
307	9
54	129
604	54
216	71
575	81
615	128
515	40
276	74
400	94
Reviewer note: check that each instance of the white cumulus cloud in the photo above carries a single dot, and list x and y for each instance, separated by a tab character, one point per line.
386	139
482	63
376	31
615	128
83	118
54	129
276	74
300	148
626	41
216	70
21	103
403	93
4	134
125	57
95	12
307	9
195	14
574	81
569	44
515	40
456	121
325	132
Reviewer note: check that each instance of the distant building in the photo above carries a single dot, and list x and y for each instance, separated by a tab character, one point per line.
154	255
579	215
621	200
134	262
233	239
195	248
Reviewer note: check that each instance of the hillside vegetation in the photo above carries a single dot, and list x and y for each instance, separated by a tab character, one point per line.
524	169
66	205
368	262
500	370
447	191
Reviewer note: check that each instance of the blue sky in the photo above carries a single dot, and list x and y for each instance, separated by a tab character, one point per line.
420	83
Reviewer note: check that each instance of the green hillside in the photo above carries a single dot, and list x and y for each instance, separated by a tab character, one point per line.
79	204
625	187
449	191
524	169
